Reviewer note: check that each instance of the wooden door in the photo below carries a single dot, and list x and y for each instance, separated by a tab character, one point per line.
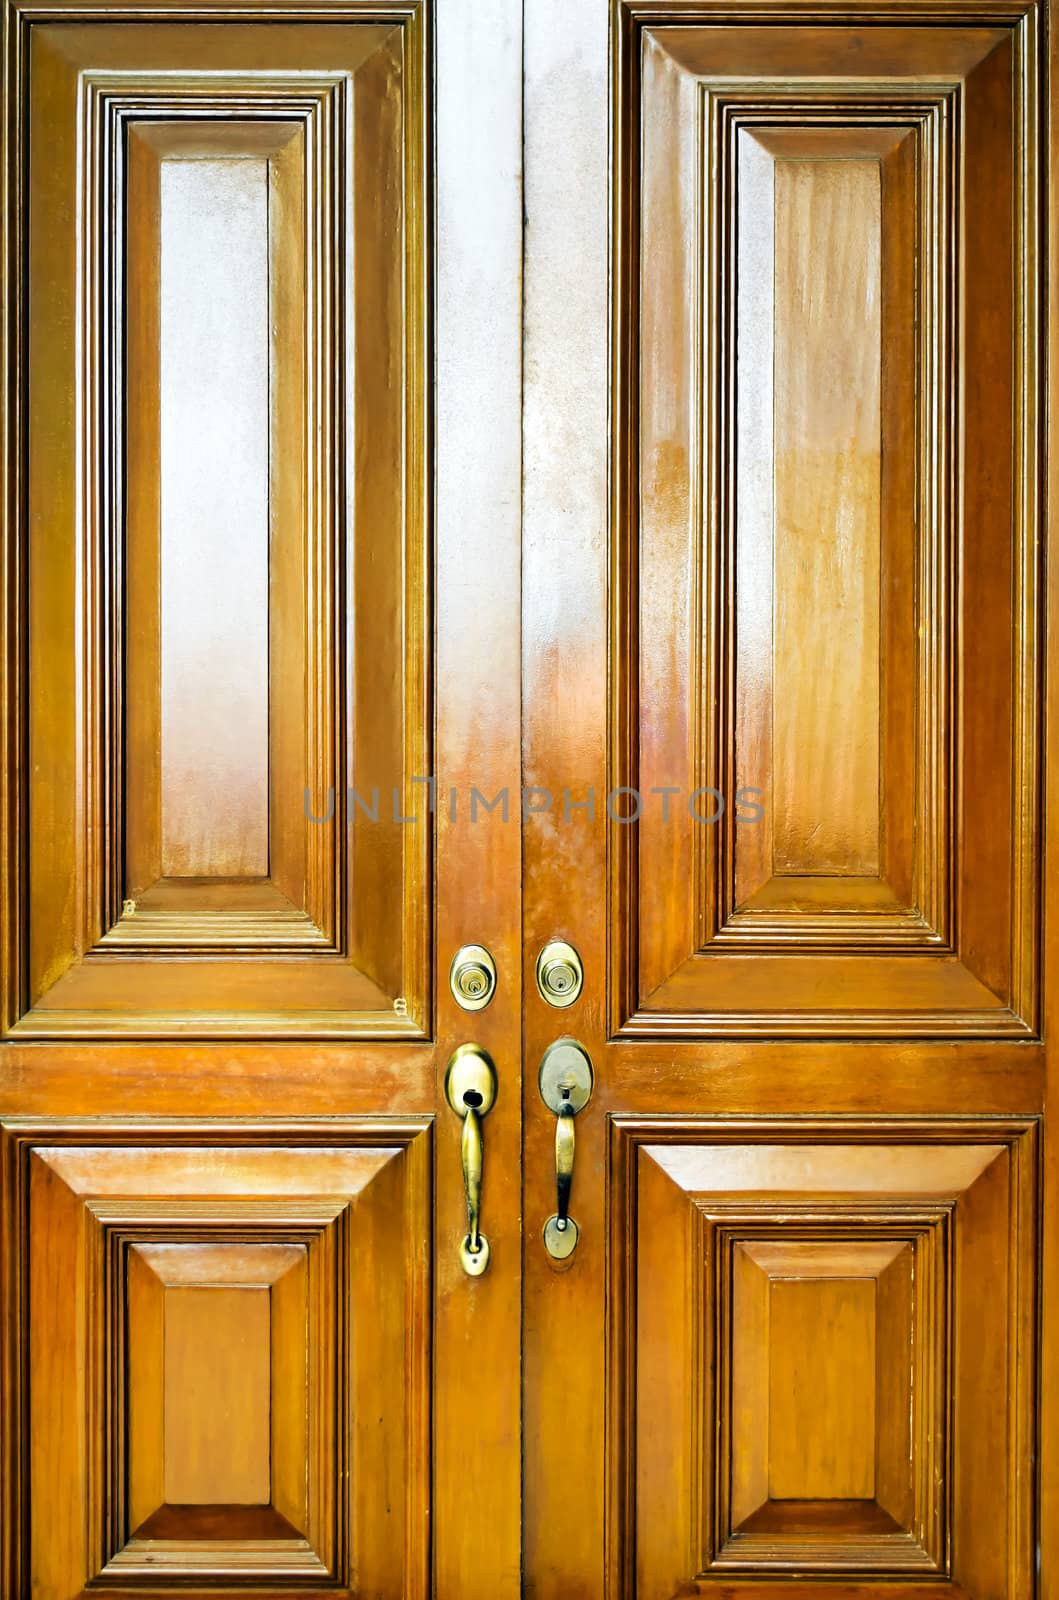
262	583
783	624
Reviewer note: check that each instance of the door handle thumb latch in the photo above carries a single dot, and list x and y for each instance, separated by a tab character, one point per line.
566	1087
470	1089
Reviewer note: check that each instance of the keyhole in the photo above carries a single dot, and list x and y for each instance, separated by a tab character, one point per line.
472	1098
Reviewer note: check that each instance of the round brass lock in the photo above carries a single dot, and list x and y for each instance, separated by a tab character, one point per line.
472	977
560	975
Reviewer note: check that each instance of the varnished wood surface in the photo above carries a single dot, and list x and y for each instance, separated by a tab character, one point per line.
827	455
478	1467
630	570
834	1149
346	451
360	1424
1049	1445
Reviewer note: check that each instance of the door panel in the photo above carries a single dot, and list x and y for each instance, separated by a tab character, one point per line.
261	617
228	588
803	1359
232	1334
802	343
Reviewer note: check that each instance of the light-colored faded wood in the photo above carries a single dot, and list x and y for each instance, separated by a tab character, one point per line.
214	501
477	1527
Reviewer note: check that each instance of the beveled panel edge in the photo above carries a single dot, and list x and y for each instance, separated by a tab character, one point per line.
31	11
41	1024
926	1226
998	1024
657	13
116	1554
930	115
112	104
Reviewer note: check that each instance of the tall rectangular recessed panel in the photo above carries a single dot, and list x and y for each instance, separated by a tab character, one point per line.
214	493
825	580
827	449
226	530
821	1389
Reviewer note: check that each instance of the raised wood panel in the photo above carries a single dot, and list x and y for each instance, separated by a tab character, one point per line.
224	1329
824	528
225	536
821	1354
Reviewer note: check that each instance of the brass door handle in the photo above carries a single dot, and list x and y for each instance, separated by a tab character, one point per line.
566	1086
470	1089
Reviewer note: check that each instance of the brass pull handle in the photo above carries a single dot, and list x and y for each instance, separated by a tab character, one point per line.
564	1164
470	1089
566	1086
471	1155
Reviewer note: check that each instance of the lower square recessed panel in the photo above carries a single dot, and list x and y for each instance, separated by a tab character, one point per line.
822	1353
222	1335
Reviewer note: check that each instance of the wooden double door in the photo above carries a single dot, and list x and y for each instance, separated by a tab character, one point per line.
484	475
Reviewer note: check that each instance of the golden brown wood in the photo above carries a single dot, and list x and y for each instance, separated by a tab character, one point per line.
827	451
764	588
777	454
738	992
238	1320
217	1414
220	1269
477	1529
337	437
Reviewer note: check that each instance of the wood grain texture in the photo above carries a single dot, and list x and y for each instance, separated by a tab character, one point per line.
477	1530
352	1491
217	1407
853	1117
822	1390
828	449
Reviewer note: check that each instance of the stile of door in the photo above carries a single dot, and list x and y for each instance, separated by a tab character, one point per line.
781	597
261	581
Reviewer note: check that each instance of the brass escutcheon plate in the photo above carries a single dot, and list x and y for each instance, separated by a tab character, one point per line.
472	977
560	975
565	1078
